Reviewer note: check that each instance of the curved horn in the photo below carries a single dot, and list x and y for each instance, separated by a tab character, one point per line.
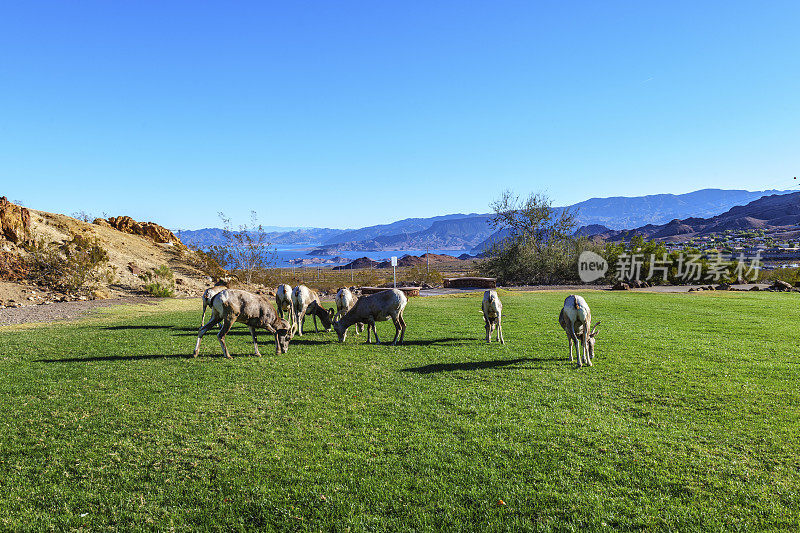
594	329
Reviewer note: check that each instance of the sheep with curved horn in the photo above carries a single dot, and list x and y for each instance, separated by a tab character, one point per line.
234	305
375	308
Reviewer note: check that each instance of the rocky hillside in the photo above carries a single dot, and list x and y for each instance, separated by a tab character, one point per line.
133	248
777	212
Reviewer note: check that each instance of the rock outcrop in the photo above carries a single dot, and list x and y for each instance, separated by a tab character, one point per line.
151	230
15	222
780	285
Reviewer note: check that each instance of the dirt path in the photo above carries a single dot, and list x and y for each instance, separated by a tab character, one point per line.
63	310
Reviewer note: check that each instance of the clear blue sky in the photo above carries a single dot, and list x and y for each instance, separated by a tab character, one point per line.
344	114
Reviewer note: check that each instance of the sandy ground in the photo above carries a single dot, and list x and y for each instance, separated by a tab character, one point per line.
57	311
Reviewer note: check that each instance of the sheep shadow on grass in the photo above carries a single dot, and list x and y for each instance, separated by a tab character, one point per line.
471	365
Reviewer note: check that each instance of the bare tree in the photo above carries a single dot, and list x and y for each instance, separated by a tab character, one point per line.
247	249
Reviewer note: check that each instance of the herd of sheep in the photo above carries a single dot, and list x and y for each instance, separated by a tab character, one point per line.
234	305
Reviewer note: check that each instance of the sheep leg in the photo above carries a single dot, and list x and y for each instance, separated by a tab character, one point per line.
203	330
300	318
569	339
488	327
500	330
397	327
255	340
226	327
375	331
316	329
587	328
203	318
403	330
578	345
586	358
371	325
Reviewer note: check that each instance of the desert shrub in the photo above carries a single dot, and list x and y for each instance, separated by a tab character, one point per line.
159	289
790	275
76	265
420	274
12	267
82	216
159	282
209	262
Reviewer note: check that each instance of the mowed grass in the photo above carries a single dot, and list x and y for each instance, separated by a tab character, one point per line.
689	420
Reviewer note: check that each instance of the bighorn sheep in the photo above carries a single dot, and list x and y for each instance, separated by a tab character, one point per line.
372	308
233	305
345	300
492	315
208	295
576	319
283	301
305	301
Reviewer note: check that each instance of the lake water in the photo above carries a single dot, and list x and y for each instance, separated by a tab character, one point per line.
285	255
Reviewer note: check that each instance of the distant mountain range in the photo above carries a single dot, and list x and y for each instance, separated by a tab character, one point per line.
203	238
473	231
620	212
774	213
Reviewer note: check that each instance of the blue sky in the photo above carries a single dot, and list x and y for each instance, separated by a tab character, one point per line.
345	114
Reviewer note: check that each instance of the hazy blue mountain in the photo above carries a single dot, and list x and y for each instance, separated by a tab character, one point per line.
620	212
473	232
445	233
202	238
401	227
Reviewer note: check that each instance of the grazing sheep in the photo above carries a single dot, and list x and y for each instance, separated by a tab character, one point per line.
305	301
208	295
375	307
283	301
492	315
345	300
576	319
233	305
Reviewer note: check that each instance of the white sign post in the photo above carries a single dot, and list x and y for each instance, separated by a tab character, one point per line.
394	270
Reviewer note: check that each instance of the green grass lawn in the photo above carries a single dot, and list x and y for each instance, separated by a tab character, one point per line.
689	420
